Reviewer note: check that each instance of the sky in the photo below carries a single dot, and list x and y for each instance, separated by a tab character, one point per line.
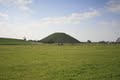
94	20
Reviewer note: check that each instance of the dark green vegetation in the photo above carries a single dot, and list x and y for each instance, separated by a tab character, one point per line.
59	38
9	41
67	62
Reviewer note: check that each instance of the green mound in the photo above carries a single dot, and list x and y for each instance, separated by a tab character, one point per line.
118	40
10	41
59	38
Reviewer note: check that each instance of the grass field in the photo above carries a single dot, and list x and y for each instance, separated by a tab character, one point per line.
53	62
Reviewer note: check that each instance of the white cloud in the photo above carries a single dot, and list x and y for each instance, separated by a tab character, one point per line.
114	6
3	17
21	4
45	24
74	18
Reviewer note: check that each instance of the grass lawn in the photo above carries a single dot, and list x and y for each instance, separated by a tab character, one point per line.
53	62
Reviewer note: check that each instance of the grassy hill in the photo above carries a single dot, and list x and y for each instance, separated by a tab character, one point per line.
59	38
10	41
118	40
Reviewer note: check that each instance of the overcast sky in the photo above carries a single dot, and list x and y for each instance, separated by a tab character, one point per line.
94	20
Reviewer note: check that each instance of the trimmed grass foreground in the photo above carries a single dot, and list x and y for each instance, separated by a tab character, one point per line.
53	62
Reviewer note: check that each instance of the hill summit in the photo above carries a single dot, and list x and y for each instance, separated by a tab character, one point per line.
59	38
118	40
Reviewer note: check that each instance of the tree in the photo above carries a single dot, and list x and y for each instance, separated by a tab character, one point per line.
88	41
102	42
24	38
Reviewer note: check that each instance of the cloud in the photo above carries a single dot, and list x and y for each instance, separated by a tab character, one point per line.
114	6
74	18
21	4
50	25
3	17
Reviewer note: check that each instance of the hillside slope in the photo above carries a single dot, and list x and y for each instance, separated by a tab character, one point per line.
10	41
118	40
